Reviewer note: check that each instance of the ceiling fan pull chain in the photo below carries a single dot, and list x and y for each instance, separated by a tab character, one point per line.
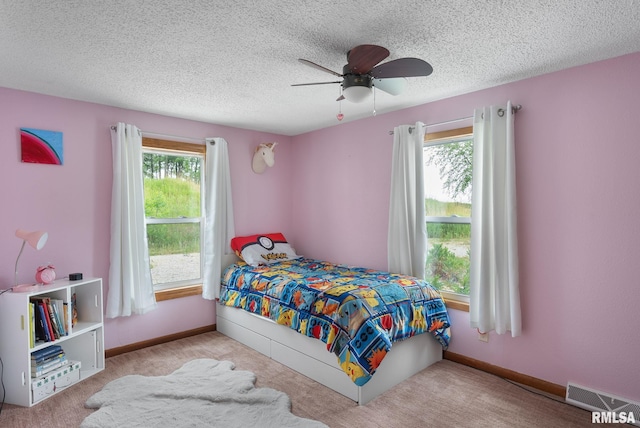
374	100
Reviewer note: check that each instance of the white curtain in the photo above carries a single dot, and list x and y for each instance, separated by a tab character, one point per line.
130	286
407	239
219	226
494	296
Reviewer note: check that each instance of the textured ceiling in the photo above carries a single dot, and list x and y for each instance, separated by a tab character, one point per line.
233	62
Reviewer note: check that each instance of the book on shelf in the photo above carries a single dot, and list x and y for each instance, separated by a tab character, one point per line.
47	359
56	306
49	321
61	309
43	353
74	310
65	306
42	328
48	367
52	318
60	355
49	362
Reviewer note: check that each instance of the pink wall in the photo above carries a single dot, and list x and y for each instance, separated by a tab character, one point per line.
72	202
577	151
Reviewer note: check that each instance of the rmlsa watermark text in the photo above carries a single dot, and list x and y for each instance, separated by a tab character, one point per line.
613	418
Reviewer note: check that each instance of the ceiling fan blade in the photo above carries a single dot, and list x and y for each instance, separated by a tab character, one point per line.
403	67
319	67
316	83
363	58
393	86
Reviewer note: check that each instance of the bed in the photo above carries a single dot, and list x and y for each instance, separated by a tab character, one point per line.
357	331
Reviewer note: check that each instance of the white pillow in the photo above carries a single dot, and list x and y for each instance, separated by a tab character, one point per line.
263	248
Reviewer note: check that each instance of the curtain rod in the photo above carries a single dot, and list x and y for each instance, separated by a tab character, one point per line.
175	137
172	137
514	110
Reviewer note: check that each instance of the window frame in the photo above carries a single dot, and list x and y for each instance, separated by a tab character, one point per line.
180	289
452	300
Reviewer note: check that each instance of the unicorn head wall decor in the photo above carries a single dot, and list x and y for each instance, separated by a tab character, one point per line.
263	157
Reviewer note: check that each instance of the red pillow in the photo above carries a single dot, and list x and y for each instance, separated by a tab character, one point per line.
263	248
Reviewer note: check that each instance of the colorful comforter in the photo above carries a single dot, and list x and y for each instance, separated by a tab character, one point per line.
357	312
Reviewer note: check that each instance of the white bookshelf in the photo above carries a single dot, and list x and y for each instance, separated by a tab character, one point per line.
83	343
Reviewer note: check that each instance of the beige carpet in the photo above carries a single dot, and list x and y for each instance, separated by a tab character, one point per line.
444	395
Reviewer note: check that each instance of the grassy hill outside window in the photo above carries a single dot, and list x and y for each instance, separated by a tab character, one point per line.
174	212
188	215
448	159
429	230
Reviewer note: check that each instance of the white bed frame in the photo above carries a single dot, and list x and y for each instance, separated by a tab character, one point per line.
310	357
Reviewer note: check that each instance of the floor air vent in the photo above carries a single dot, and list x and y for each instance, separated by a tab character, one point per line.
596	401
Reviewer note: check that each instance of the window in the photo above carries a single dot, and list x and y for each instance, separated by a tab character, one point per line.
448	166
174	213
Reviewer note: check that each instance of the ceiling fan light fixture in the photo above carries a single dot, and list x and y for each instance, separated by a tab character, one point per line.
356	94
356	87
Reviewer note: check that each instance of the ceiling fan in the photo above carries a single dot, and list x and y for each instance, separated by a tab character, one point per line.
361	73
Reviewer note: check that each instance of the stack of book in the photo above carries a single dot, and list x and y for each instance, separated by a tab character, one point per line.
47	359
49	319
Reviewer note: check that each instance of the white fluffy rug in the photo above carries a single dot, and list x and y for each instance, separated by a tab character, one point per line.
202	393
